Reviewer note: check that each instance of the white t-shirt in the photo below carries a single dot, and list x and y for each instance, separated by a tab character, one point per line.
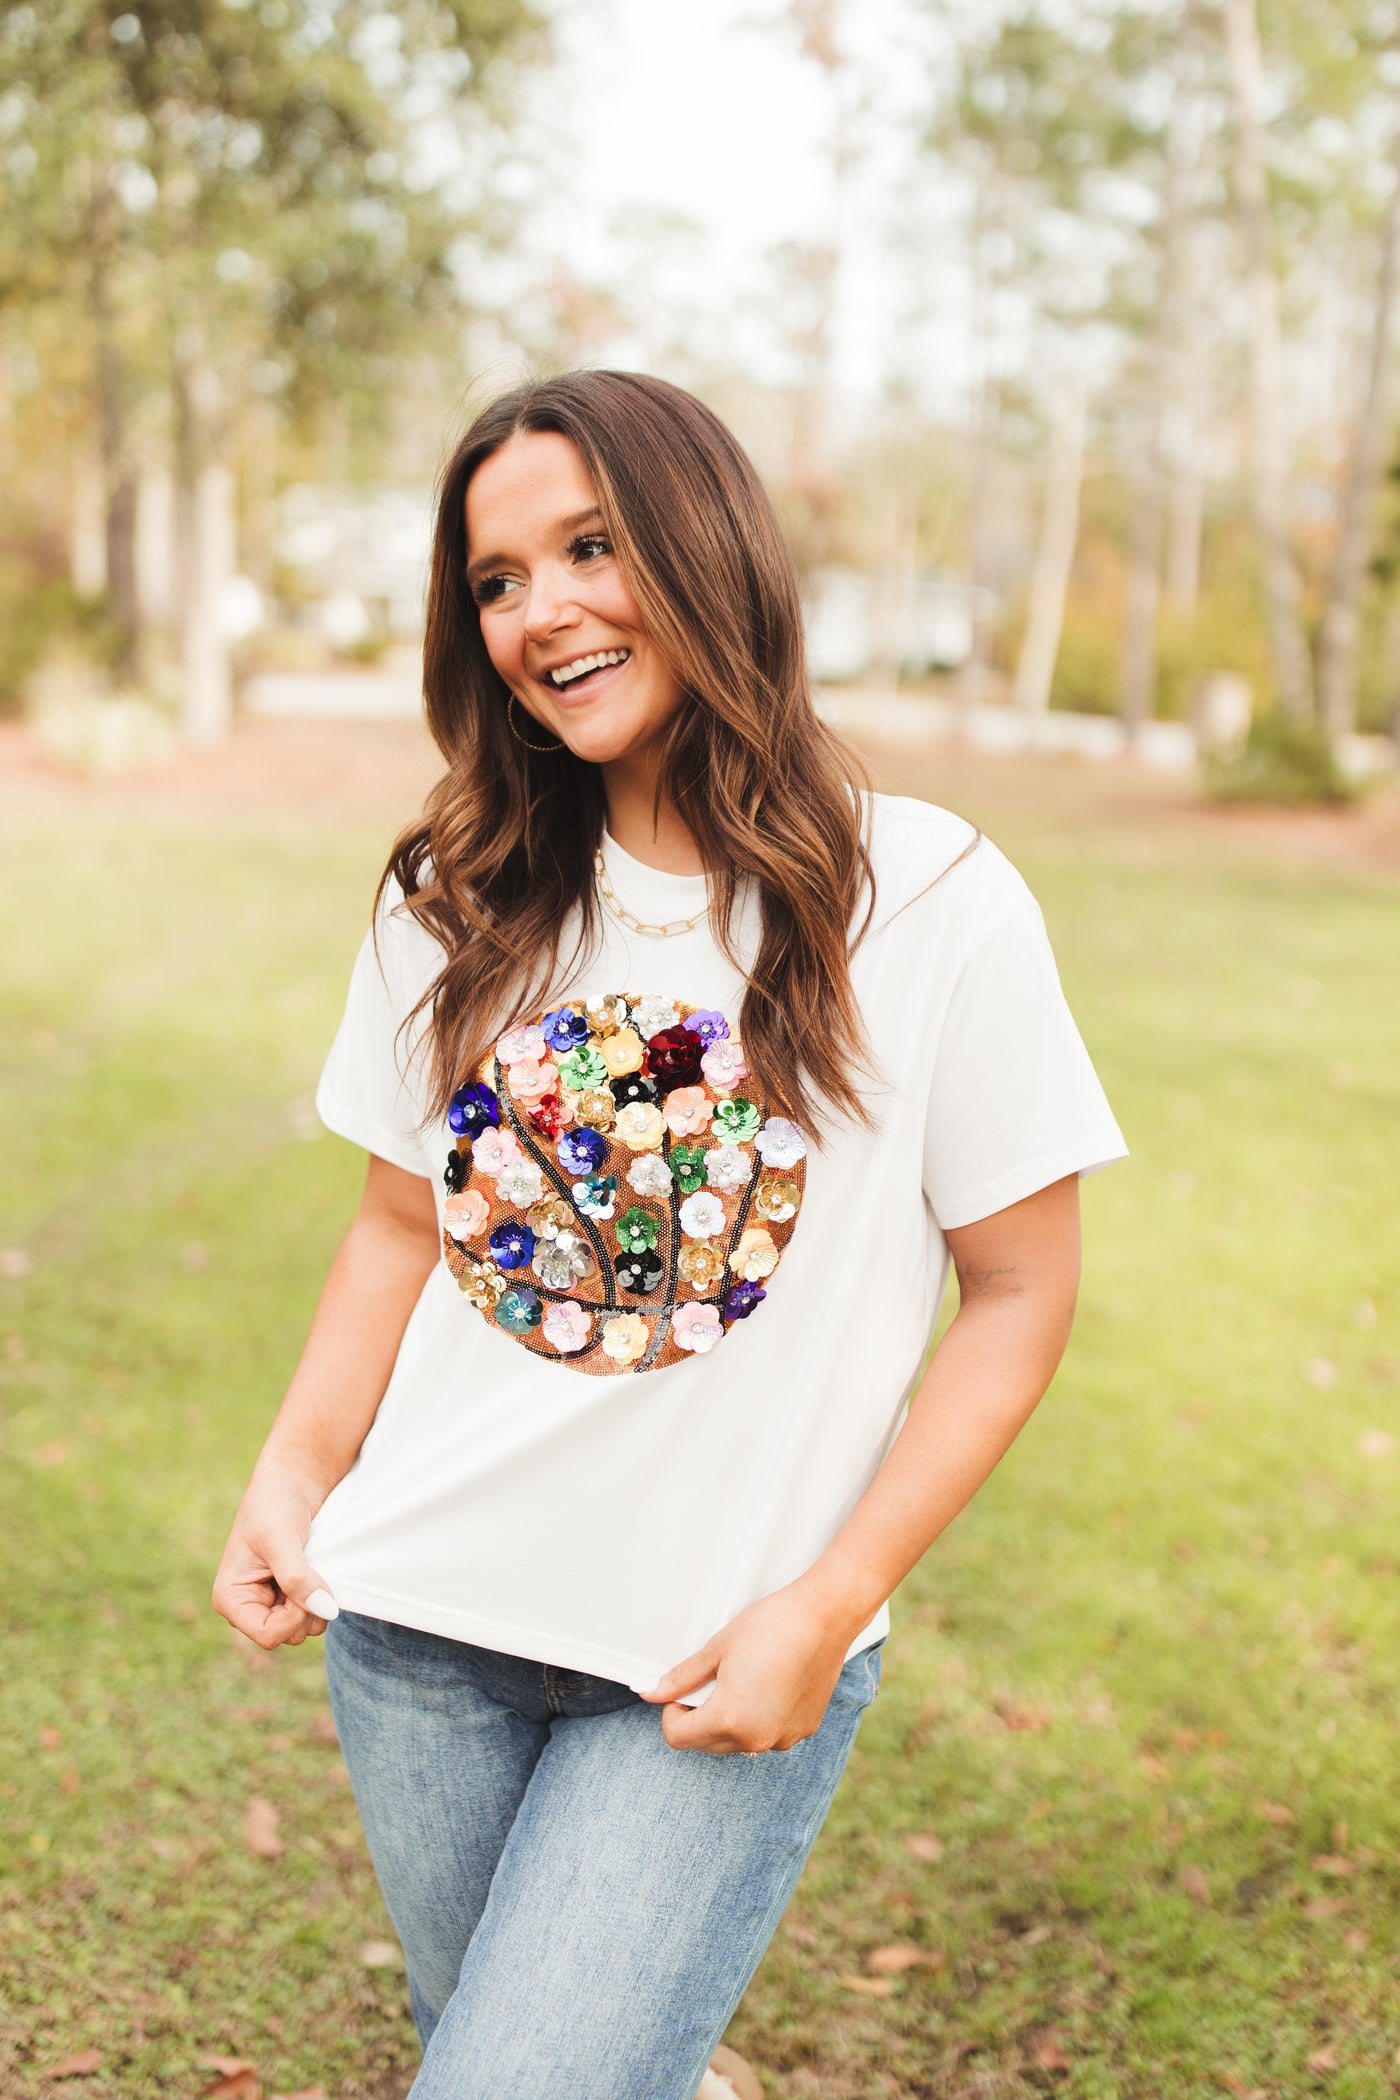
591	1451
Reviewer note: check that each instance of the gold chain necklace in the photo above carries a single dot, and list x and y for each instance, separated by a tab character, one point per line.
632	923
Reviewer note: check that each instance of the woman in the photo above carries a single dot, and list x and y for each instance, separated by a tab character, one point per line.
684	1065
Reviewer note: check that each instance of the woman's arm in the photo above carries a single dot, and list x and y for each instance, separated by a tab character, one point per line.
775	1665
263	1582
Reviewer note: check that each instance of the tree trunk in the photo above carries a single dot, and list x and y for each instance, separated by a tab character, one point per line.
206	528
155	546
1292	666
87	552
1186	493
119	481
1341	626
1144	596
1054	555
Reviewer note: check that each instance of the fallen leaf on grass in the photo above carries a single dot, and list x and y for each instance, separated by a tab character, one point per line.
1195	1885
1152	1767
70	1783
868	1986
239	2085
1024	1720
308	2092
1333	1864
1323	2060
260	1829
80	2066
1241	2087
51	1454
1275	1812
323	1730
50	1738
1326	1907
226	2066
922	1844
381	1954
1050	2052
892	1961
1357	1941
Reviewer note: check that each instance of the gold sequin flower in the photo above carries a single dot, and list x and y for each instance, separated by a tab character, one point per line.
548	1219
607	1012
701	1264
777	1201
482	1283
596	1109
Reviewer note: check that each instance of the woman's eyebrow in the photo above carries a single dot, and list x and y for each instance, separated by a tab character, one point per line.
570	524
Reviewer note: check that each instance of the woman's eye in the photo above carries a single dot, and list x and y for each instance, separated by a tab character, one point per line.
590	547
487	589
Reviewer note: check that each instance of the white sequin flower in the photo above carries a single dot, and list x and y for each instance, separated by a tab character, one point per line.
727	1167
702	1216
652	1015
649	1176
780	1143
521	1182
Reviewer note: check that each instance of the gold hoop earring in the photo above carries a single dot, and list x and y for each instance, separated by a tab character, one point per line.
519	735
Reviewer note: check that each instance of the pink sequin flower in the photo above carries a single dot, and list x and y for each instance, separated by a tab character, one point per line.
466	1214
687	1111
495	1150
697	1327
567	1326
530	1080
724	1065
519	1043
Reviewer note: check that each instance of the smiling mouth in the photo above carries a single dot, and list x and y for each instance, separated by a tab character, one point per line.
569	677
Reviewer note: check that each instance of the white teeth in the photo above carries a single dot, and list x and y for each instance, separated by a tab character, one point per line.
581	665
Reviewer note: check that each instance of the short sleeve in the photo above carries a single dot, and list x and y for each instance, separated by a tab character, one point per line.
365	1093
1015	1103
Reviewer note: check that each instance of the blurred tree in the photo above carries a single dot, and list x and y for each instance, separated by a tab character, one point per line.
267	200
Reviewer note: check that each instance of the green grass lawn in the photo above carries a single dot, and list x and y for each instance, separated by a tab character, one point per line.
1141	1702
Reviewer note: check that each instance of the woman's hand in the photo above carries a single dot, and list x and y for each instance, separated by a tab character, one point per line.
773	1668
264	1587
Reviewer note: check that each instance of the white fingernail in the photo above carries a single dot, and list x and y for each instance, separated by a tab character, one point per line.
323	1604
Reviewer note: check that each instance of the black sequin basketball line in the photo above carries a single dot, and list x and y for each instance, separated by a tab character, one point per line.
664	1312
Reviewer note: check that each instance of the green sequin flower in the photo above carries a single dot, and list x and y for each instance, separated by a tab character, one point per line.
737	1120
638	1230
688	1166
584	1068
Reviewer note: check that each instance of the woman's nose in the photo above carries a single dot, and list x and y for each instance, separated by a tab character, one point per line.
549	605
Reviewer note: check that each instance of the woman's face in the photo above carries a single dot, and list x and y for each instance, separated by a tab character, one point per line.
558	617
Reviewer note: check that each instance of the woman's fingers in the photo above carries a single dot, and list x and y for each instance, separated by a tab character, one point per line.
692	1675
266	1590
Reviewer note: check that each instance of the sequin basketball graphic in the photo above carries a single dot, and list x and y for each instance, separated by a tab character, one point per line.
617	1199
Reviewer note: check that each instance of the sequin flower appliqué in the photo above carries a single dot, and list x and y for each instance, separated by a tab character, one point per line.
616	1199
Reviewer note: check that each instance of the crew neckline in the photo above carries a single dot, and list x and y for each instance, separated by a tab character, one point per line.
633	879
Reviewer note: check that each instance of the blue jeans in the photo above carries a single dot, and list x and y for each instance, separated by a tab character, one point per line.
580	1905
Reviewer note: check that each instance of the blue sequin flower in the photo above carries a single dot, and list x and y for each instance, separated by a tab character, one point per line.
519	1311
513	1246
597	1196
708	1023
564	1029
739	1301
580	1151
474	1108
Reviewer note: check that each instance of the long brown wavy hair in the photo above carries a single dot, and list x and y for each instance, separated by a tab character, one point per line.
503	852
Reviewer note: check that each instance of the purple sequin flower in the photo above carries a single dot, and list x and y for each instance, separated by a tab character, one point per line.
564	1029
708	1023
580	1151
474	1108
741	1299
513	1246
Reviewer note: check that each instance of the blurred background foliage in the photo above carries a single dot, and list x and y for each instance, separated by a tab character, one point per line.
1133	420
